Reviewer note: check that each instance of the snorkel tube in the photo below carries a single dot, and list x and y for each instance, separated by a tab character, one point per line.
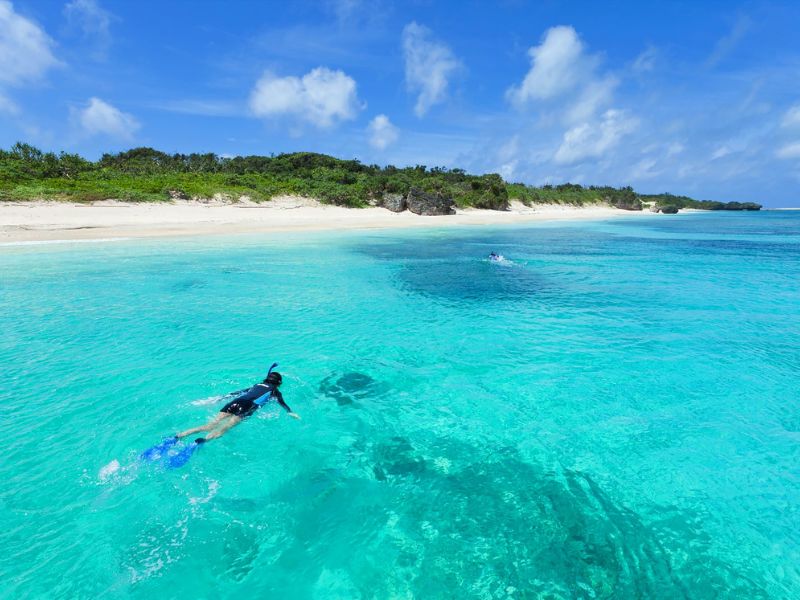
261	401
271	368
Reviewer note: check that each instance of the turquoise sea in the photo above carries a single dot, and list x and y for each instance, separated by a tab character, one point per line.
614	413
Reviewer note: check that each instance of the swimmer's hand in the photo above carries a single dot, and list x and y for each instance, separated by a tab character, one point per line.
294	415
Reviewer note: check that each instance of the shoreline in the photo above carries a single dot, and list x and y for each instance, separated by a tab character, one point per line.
23	223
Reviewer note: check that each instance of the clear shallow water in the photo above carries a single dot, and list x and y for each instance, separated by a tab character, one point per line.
614	415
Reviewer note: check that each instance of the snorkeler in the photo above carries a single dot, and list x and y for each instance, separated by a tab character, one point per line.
242	407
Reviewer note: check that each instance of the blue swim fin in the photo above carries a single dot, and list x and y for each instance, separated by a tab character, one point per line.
159	450
180	458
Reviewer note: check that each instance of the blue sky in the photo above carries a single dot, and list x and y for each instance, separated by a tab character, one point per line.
697	98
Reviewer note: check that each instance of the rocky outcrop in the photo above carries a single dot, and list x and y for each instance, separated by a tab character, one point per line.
669	209
741	206
627	203
393	202
711	205
422	203
177	195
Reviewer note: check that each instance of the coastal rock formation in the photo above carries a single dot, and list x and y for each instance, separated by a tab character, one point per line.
626	203
177	195
741	206
706	205
394	202
422	203
669	209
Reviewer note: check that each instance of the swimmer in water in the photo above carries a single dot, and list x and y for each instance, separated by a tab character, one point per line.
241	407
494	257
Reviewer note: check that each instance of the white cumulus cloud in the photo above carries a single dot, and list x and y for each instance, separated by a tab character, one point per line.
382	132
26	51
564	75
558	65
591	140
321	97
99	117
430	65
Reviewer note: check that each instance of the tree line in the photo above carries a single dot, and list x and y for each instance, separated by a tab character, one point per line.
146	174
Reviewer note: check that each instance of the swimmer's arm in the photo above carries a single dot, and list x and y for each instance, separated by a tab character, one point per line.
279	398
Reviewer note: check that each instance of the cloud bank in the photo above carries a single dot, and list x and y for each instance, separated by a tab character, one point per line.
564	83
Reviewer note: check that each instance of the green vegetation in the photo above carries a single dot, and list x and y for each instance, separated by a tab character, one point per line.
572	193
670	200
145	174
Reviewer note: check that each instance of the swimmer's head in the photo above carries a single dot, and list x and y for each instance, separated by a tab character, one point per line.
274	378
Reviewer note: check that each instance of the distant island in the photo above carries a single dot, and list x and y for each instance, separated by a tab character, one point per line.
148	175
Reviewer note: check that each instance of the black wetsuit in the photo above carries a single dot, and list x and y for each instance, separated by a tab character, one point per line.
245	404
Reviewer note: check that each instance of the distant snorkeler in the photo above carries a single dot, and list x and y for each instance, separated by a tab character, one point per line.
241	407
494	257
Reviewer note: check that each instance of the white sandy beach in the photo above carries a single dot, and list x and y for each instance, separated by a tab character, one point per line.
43	221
